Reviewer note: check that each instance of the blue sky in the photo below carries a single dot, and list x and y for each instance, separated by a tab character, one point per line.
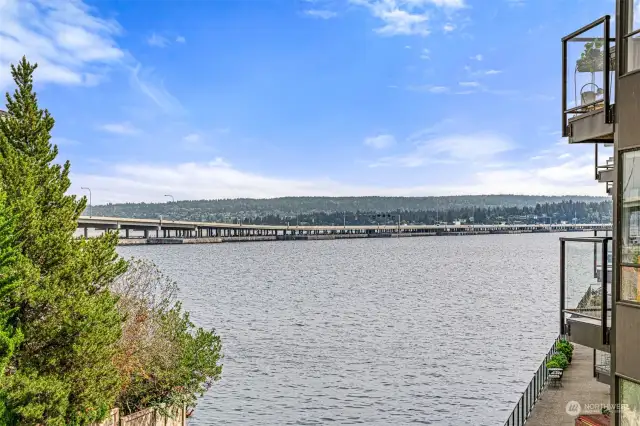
259	98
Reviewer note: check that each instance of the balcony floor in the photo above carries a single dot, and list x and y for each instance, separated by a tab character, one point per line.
578	384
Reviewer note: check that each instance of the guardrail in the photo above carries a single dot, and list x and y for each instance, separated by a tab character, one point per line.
585	280
596	57
530	396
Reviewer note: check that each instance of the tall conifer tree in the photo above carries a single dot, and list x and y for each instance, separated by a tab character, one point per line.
10	335
62	371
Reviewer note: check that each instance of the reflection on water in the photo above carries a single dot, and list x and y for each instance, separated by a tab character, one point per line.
438	330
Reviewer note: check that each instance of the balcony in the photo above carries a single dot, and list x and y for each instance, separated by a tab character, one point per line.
585	290
587	84
602	367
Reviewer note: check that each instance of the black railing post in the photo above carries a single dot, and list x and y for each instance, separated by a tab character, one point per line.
562	285
564	89
605	290
606	69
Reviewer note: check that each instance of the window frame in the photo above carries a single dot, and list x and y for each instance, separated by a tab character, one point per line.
625	15
619	264
618	394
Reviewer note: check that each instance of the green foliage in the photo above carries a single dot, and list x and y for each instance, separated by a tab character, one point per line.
592	57
67	314
164	359
565	348
552	363
560	359
10	334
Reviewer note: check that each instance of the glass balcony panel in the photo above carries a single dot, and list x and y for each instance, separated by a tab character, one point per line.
586	70
603	362
583	278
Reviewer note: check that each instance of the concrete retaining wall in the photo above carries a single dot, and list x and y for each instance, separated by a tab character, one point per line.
151	417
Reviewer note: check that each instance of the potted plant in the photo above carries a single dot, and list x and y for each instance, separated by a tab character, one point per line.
552	363
591	61
560	359
592	58
565	348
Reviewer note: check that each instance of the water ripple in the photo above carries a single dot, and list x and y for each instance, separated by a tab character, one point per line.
436	330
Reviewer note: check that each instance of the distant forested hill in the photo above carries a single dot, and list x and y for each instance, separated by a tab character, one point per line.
356	210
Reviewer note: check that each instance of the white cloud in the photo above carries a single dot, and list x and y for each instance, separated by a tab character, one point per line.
153	88
425	54
401	22
320	13
429	88
492	72
448	149
195	142
157	40
438	89
448	27
71	44
192	138
469	84
451	4
408	17
181	39
380	141
124	128
219	179
478	57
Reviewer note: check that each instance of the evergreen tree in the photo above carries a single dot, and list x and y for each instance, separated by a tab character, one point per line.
10	335
63	371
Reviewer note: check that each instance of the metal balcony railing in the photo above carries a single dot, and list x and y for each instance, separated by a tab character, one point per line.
585	70
601	363
530	396
603	166
585	281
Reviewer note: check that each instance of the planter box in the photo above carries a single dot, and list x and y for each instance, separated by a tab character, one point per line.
593	420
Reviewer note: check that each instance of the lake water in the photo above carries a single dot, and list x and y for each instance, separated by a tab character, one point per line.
432	330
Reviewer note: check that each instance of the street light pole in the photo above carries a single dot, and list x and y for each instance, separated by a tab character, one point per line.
172	199
90	207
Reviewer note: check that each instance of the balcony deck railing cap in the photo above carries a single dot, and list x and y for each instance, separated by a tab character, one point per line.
586	239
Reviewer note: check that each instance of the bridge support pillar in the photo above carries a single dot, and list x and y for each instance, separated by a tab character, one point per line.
146	233
86	232
126	233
